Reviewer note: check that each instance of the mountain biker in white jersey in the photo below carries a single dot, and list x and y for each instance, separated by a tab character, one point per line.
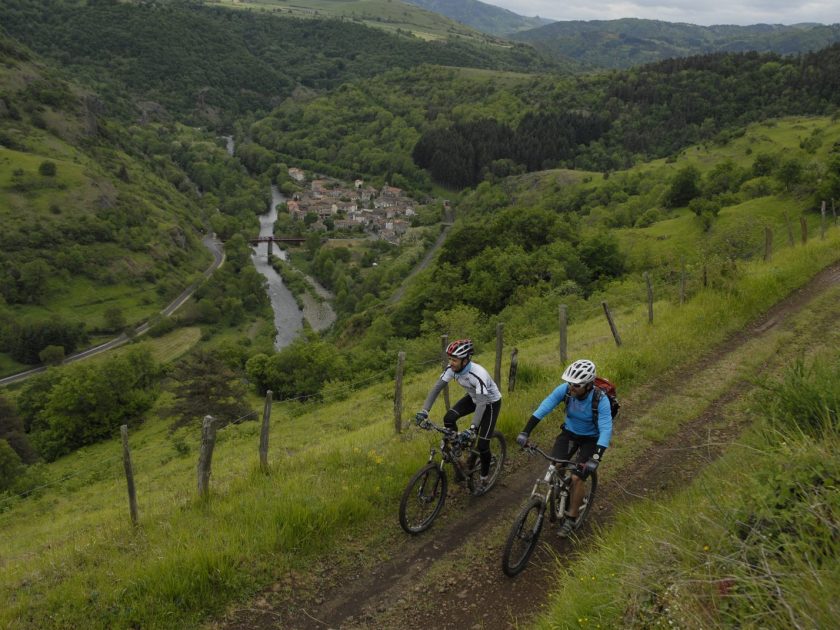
578	433
483	398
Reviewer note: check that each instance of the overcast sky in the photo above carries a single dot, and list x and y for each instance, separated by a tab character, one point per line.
702	12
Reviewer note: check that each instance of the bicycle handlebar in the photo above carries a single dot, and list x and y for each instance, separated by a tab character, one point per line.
428	425
531	448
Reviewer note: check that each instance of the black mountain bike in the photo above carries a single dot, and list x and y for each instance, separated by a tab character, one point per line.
425	494
550	494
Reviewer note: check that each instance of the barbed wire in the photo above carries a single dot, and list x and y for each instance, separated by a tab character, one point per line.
25	493
660	279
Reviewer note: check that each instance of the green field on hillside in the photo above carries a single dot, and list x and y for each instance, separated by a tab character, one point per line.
188	557
383	14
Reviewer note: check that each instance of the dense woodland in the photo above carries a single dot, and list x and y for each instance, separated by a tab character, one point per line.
629	42
208	65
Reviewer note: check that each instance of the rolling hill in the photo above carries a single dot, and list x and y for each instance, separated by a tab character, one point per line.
481	16
633	42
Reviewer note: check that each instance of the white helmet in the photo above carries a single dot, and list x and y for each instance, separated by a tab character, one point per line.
580	372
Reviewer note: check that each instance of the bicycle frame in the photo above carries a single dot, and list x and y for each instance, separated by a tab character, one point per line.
553	489
451	450
551	494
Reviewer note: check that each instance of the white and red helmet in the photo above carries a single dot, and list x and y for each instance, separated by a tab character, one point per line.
581	372
461	349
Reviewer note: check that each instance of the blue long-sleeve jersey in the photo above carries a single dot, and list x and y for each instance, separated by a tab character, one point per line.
579	414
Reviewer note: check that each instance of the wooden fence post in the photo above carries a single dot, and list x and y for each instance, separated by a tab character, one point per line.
612	324
497	373
514	364
649	297
822	221
705	276
444	343
264	432
768	243
682	281
789	225
564	324
205	456
129	475
834	212
803	223
398	393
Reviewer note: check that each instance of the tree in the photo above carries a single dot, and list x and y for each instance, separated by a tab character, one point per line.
205	385
602	256
52	355
11	466
706	210
790	172
299	370
88	403
33	280
684	187
764	164
724	177
12	431
114	318
27	340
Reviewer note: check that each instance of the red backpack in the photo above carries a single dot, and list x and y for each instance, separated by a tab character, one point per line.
602	387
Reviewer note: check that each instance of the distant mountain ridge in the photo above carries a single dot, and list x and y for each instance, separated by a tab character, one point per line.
482	16
631	42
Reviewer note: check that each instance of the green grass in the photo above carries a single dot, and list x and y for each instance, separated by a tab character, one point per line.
381	14
752	543
72	558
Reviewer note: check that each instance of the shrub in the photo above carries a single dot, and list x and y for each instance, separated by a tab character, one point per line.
48	169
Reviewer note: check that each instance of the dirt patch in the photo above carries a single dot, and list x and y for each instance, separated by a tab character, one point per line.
438	580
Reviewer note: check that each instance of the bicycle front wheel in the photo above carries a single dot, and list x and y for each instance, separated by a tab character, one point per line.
423	499
590	485
523	537
498	453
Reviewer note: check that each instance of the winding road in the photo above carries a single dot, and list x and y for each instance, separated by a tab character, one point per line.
210	242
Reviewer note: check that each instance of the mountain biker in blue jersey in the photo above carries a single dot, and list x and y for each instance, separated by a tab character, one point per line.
483	398
578	433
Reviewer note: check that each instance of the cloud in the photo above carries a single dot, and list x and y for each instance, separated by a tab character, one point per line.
690	11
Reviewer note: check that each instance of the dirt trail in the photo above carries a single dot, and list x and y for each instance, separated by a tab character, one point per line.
470	591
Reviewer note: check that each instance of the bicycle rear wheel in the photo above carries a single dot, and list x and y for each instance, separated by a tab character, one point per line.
498	453
523	537
423	498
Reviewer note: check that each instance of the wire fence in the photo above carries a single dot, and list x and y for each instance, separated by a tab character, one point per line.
676	284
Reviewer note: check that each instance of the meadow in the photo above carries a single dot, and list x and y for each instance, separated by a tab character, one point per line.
71	557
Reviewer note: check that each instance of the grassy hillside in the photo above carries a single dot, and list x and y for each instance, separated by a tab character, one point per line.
481	16
72	558
87	226
633	42
380	14
753	542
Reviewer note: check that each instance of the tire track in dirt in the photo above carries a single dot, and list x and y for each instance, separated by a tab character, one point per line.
474	593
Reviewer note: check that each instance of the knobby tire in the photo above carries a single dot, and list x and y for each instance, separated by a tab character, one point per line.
423	499
523	537
498	452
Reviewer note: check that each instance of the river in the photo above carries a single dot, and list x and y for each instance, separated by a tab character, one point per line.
288	318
